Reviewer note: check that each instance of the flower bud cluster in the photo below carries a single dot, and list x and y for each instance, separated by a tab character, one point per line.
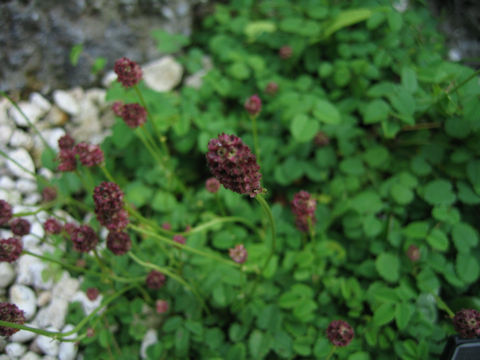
340	333
253	105
118	242
155	280
20	227
108	199
134	115
467	323
234	165
303	207
129	73
11	313
238	254
88	154
10	249
84	238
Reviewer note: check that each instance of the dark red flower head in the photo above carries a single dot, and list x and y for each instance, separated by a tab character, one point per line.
134	115
11	313
321	139
10	249
238	254
179	239
340	333
89	154
6	212
84	238
68	162
413	253
467	323
92	293
161	306
69	228
49	193
253	105
117	108
66	142
212	185
129	72
285	52
118	242
234	165
303	207
155	280
108	197
20	226
271	88
52	226
114	221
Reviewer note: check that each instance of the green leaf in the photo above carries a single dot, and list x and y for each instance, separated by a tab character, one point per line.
164	201
75	54
439	192
394	21
467	268
438	240
48	159
98	65
464	237
326	112
473	173
138	193
239	71
352	166
259	344
283	344
402	100
388	266
256	28
409	79
384	314
297	293
237	352
466	194
417	229
376	156
182	342
376	111
303	128
427	281
169	43
403	314
347	18
359	355
366	202
402	194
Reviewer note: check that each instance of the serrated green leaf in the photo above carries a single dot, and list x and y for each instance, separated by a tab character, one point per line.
384	314
376	111
467	268
403	314
439	192
438	240
464	237
303	128
326	112
388	266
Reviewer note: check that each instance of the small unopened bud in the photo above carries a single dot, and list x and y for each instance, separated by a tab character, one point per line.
238	254
253	105
285	52
161	306
212	185
413	253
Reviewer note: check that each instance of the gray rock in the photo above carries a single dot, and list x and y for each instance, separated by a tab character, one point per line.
11	196
7	274
23	336
6	132
87	305
66	102
66	287
25	299
20	139
30	356
22	157
26	186
6	182
47	345
52	315
51	136
163	74
42	103
15	350
68	350
32	111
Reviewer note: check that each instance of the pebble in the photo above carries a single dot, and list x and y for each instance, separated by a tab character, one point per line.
163	74
26	186
11	196
15	350
6	132
23	336
22	157
47	345
44	298
30	356
32	112
7	274
6	183
38	100
51	136
109	78
24	298
20	138
66	287
66	101
149	338
68	350
25	264
56	117
96	96
87	305
52	315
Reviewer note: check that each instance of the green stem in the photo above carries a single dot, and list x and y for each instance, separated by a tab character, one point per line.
83	322
220	205
45	143
107	173
39	210
442	305
255	138
476	73
174	276
37	177
144	104
184	247
330	354
269	214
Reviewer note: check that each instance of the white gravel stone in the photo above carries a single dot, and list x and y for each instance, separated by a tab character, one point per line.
23	336
20	138
66	101
47	345
5	357
6	182
66	287
46	173
26	186
96	96
6	132
56	117
38	100
68	350
150	338
163	74
51	136
32	111
25	265
15	350
32	199
7	274
87	305
4	107
53	315
44	298
30	356
11	196
36	231
25	299
22	157
109	78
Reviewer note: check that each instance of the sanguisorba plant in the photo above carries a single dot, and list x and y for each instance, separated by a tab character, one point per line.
366	140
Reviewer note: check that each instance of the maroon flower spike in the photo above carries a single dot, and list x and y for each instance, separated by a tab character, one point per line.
321	139
253	105
271	88
155	280
413	253
166	226
84	238
113	221
108	197
129	72
89	154
303	207
68	162
285	52
212	185
66	142
238	254
134	115
234	165
340	333
161	306
118	242
117	108
49	193
52	226
10	249
69	228
467	323
5	212
92	293
11	313
20	226
179	239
